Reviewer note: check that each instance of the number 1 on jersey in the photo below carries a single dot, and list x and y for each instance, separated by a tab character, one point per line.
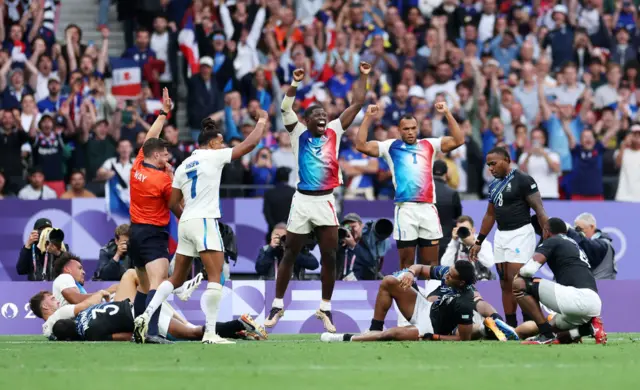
415	158
193	175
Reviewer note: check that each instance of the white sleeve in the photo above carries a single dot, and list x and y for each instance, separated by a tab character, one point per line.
223	156
383	148
336	125
63	282
63	313
107	164
448	258
178	178
436	143
523	157
485	256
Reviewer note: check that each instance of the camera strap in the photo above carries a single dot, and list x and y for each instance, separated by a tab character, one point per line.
44	266
346	261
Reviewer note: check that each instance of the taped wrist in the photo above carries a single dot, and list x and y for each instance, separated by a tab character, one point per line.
530	268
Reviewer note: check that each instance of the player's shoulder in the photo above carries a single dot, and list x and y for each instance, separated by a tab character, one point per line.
335	125
64	281
525	177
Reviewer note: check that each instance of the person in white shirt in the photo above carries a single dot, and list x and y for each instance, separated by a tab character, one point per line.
542	164
36	189
487	20
463	237
161	43
120	167
628	159
68	286
197	182
247	53
283	156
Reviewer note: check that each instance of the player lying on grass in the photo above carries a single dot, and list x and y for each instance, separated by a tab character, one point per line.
94	320
573	295
448	318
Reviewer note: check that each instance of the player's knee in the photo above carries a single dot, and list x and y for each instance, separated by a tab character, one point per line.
519	287
389	281
328	256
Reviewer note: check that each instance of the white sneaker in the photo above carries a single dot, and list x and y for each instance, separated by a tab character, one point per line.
184	292
331	337
212	338
140	327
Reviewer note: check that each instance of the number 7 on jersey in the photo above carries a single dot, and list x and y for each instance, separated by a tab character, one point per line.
193	175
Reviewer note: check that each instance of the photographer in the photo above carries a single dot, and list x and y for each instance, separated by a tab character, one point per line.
270	255
362	248
463	238
44	245
114	258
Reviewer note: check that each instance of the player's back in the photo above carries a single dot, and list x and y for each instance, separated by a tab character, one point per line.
198	177
150	190
411	168
569	264
100	321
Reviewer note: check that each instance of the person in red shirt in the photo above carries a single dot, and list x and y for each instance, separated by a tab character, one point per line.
150	188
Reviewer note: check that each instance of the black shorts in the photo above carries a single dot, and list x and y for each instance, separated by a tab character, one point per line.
148	243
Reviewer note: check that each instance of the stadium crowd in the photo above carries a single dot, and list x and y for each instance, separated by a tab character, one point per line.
554	82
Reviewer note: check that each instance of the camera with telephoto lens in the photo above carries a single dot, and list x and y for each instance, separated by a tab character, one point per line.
463	232
344	231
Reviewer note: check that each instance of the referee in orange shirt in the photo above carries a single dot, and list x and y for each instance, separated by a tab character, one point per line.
150	187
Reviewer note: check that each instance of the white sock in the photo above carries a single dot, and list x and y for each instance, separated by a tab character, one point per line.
278	302
210	302
574	333
325	305
162	293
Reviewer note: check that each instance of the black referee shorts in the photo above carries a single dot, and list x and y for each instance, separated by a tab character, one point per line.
148	243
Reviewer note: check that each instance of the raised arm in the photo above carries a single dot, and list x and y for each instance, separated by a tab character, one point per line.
369	148
545	111
253	139
227	23
256	29
289	117
456	139
158	124
359	96
103	57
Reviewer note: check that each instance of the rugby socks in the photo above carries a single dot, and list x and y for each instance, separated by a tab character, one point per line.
512	320
347	337
525	317
228	329
496	316
278	303
585	330
139	303
210	302
376	325
153	323
325	305
162	293
545	329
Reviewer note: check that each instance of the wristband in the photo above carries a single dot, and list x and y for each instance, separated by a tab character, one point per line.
162	112
295	83
411	271
431	337
480	239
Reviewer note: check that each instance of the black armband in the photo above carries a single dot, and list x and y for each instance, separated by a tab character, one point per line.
480	239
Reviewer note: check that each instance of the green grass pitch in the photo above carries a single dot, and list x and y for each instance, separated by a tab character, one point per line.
303	362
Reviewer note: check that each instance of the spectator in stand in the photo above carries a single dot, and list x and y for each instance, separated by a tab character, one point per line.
119	166
164	42
262	171
607	94
49	153
41	69
542	165
141	53
247	54
114	258
277	200
36	189
11	140
283	156
74	48
99	147
4	192
204	96
52	102
132	122
270	255
399	107
560	39
234	174
447	202
628	160
359	170
340	84
175	149
586	177
13	92
623	50
492	135
29	116
77	190
569	91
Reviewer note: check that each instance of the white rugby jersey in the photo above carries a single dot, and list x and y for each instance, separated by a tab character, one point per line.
198	177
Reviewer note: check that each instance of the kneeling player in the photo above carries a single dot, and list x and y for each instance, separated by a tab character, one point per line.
573	295
436	320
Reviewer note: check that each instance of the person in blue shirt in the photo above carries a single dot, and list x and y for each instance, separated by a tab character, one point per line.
359	169
399	107
586	177
53	102
262	172
560	39
340	84
261	90
140	53
492	135
505	48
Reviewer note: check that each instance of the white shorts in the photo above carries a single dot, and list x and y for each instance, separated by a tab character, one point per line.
309	212
574	306
199	235
416	220
514	246
421	318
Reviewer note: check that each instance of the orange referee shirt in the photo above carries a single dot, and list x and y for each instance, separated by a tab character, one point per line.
150	190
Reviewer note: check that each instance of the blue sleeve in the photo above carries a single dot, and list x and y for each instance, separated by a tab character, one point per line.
437	272
307	261
231	130
266	259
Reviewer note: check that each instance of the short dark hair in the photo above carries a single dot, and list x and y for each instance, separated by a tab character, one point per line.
142	29
465	218
153	145
35	169
62	261
282	174
77	172
35	303
310	110
500	151
466	271
407	117
557	226
65	330
72	25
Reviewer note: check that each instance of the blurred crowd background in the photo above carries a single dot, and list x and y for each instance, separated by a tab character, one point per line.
554	82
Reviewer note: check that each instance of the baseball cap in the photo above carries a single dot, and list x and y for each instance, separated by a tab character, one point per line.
206	61
439	168
45	116
560	8
54	78
42	223
635	127
352	217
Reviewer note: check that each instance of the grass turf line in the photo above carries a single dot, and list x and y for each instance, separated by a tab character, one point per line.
302	362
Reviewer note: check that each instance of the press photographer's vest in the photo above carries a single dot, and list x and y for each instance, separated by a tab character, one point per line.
606	270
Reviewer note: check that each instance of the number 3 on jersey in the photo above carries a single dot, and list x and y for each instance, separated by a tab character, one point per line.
193	175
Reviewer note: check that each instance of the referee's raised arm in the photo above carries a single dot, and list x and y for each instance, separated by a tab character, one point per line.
158	124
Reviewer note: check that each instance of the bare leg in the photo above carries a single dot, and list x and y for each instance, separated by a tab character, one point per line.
527	329
293	246
181	270
527	302
389	291
429	255
328	243
508	271
407	333
483	307
407	256
127	287
184	332
143	280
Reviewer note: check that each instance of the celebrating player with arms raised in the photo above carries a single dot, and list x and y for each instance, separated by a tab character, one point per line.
312	209
197	181
411	161
511	195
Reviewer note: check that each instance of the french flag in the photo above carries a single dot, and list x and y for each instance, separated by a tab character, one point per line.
127	78
117	198
173	234
189	45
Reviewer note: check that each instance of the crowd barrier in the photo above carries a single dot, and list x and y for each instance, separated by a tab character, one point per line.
87	227
352	305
